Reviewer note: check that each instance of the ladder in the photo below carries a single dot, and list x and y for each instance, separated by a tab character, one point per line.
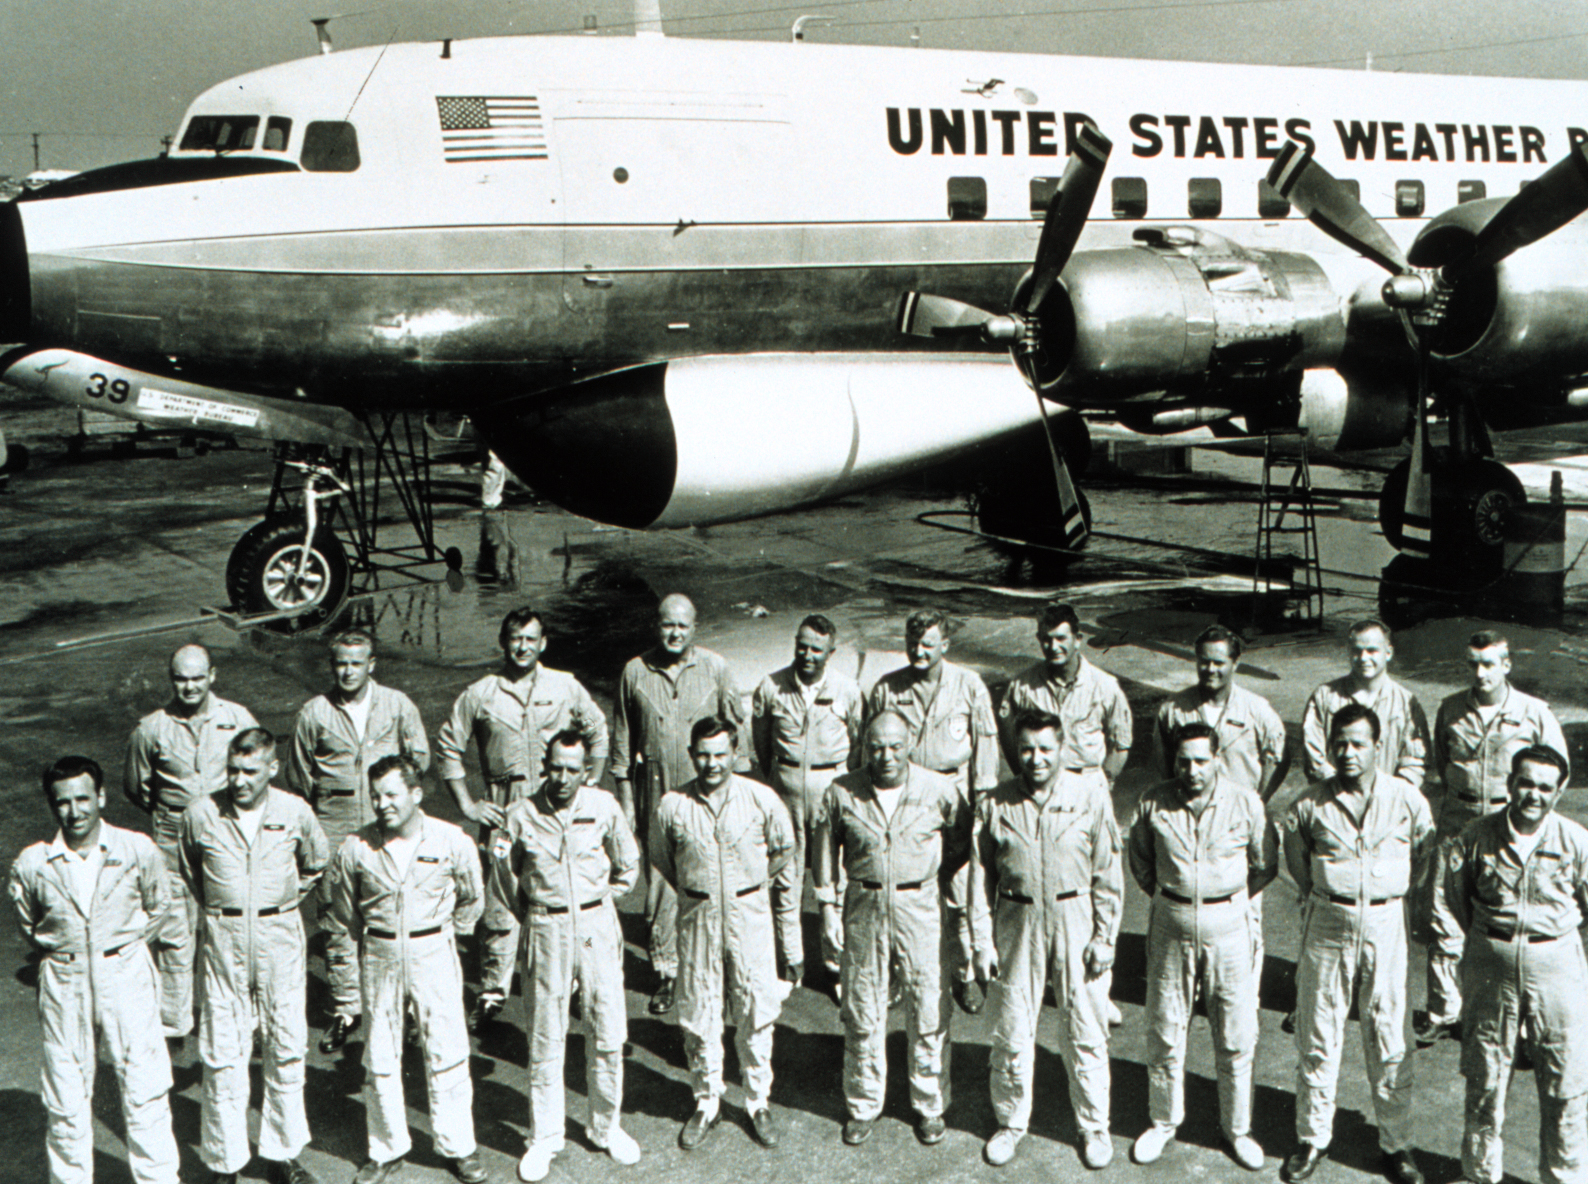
1286	585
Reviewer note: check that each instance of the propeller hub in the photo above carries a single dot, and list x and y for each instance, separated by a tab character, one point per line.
1410	292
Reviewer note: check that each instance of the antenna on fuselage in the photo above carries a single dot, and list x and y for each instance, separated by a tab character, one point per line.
799	25
322	31
648	18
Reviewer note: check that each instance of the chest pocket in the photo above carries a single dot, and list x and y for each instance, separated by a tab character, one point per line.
381	733
505	713
1230	841
1497	881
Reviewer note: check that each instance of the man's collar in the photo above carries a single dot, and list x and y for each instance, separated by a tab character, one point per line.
658	659
59	848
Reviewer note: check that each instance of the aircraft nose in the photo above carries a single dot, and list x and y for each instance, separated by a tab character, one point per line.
16	300
605	448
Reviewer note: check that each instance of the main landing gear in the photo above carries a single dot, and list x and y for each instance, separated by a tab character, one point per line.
319	546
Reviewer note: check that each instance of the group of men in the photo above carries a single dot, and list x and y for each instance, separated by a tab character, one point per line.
936	883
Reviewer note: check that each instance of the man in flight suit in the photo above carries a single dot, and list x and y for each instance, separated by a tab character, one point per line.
1047	886
570	859
897	830
408	885
724	843
1517	884
1201	846
952	731
89	901
510	715
662	694
250	854
337	738
805	725
177	756
1403	752
1476	734
1353	844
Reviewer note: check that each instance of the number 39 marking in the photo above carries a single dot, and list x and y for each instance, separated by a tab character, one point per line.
101	387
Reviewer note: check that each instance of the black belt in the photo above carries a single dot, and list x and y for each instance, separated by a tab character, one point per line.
878	885
71	955
786	763
270	912
557	910
388	935
693	895
1178	899
338	793
1022	898
1479	800
505	779
1351	900
1531	938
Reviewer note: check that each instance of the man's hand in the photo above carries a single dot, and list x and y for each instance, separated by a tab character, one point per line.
832	929
488	813
626	804
986	965
1099	960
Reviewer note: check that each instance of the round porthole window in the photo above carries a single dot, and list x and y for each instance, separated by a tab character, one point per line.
620	175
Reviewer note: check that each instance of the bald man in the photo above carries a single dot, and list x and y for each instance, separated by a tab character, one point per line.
177	756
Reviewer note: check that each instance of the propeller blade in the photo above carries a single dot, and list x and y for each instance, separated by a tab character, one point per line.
1329	206
1418	512
1068	209
1543	207
1072	518
924	315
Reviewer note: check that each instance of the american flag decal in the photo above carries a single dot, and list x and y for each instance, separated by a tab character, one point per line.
487	127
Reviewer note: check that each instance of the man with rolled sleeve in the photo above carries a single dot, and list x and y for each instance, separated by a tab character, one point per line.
90	901
336	739
724	843
1404	748
897	831
510	715
1476	733
1517	883
175	757
1201	846
408	885
662	694
952	731
805	725
1047	886
1353	844
250	854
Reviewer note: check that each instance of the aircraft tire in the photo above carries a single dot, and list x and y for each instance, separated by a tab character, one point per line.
266	571
1472	501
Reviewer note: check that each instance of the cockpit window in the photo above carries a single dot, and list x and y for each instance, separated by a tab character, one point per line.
220	133
277	132
330	147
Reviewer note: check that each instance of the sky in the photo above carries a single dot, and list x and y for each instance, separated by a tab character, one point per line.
104	80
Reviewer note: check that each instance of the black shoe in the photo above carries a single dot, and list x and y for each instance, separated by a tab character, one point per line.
486	1009
1303	1162
698	1127
469	1169
174	1046
341	1028
289	1171
377	1173
1522	1062
575	1008
1288	1024
969	995
930	1131
765	1129
662	1002
1401	1168
858	1130
1429	1031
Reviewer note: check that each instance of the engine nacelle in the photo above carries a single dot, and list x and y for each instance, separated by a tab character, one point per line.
1342	413
709	439
1187	312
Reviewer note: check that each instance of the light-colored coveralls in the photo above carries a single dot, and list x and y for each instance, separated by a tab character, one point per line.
656	707
1524	977
172	762
893	917
1403	728
1093	709
1250	733
565	871
1197	870
727	858
511	723
1353	878
328	763
98	985
408	923
1473	758
252	967
804	737
1047	882
952	731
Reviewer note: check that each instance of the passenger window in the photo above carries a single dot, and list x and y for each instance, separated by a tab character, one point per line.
1130	197
330	147
967	199
1269	202
1408	199
1204	197
1470	191
220	133
277	132
1042	191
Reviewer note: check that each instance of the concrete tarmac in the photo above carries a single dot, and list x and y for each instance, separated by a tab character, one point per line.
130	546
